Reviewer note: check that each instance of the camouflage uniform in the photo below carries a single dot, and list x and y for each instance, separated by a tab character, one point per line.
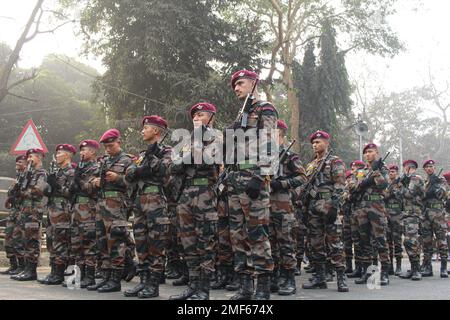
393	200
13	242
299	228
224	249
434	222
372	221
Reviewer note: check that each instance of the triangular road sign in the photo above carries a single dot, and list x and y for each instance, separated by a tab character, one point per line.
28	139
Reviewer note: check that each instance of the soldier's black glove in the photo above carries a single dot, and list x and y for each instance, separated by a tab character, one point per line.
434	179
74	188
143	172
276	185
254	187
367	182
430	193
405	180
152	149
51	180
333	213
377	164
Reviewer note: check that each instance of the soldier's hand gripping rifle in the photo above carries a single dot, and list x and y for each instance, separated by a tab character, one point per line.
308	189
102	176
75	187
282	159
26	176
242	117
364	184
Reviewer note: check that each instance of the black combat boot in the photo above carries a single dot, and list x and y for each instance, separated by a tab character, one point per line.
262	287
357	273
202	292
391	268
58	275
184	280
106	274
113	284
298	268
310	268
20	267
51	274
224	275
427	269
274	279
398	266
151	287
341	281
444	268
365	275
129	270
246	288
89	277
348	265
192	287
82	268
143	278
415	272
384	276
12	266
318	281
329	275
235	283
30	272
173	270
288	287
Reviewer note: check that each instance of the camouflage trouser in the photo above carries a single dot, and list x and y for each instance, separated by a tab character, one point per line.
10	242
372	224
325	234
394	234
249	227
18	233
224	249
59	218
299	232
347	235
151	231
411	236
356	239
434	223
112	232
174	249
83	237
197	218
31	216
282	220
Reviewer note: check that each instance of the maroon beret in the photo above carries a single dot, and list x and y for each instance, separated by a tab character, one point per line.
90	143
35	151
348	173
370	146
319	135
204	107
428	162
358	163
66	147
110	136
393	167
243	74
155	121
408	162
21	157
74	165
447	176
281	125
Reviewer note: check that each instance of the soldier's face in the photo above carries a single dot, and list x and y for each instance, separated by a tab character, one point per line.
320	145
36	160
87	154
62	157
281	135
243	87
21	165
149	132
371	155
201	118
429	169
409	169
112	148
392	174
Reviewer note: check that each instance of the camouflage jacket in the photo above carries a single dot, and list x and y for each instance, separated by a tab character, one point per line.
291	174
89	172
435	194
13	198
64	178
262	116
117	164
447	202
331	179
36	186
393	195
413	194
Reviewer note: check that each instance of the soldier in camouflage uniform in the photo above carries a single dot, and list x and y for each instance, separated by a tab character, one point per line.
371	213
413	193
434	222
290	176
393	200
111	222
59	218
13	242
85	208
248	185
447	208
299	229
148	175
31	214
323	200
196	210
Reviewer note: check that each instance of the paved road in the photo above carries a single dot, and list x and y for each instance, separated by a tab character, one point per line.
433	288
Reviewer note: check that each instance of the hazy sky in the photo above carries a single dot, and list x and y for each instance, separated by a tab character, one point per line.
425	33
